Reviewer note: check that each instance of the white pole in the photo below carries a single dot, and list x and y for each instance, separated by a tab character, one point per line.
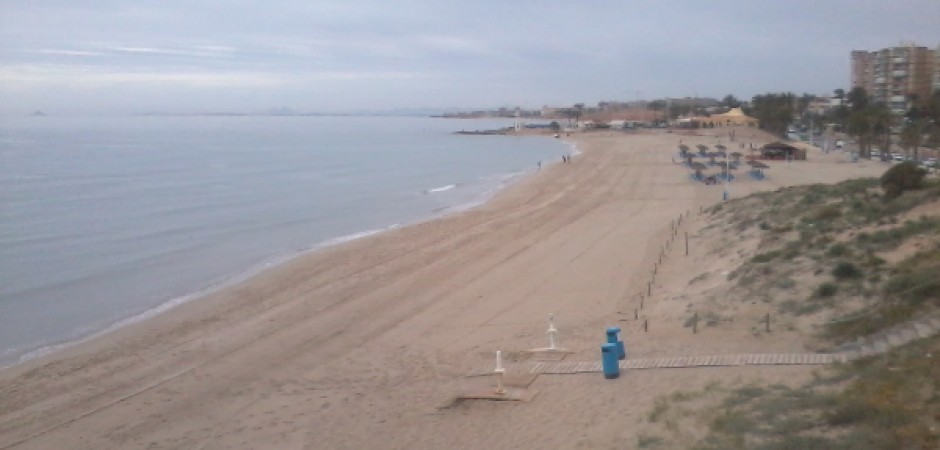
551	332
499	372
727	174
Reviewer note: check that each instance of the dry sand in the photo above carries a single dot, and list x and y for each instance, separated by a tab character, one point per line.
365	345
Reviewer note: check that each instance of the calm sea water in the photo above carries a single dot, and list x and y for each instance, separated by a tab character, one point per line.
107	220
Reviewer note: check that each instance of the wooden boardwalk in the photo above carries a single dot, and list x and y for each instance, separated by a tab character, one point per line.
782	359
863	347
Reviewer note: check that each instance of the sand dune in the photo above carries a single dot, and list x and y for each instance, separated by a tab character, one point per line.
365	345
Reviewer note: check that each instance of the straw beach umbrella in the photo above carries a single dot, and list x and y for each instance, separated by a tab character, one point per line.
698	168
758	169
726	169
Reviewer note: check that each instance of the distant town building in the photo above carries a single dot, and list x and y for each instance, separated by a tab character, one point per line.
893	75
819	105
733	118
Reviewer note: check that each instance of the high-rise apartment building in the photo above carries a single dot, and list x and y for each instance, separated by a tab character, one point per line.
936	69
893	75
862	69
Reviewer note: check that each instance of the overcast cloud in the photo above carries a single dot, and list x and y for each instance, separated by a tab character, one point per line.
101	56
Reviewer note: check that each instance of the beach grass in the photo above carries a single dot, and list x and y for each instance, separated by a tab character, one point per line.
854	263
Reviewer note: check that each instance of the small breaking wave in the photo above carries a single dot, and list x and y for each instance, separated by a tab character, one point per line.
353	236
440	189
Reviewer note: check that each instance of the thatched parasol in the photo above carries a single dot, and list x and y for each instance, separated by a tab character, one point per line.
758	168
698	168
725	165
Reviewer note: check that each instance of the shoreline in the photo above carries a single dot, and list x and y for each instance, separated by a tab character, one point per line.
227	281
365	344
171	303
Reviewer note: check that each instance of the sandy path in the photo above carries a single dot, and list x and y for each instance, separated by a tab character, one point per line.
363	344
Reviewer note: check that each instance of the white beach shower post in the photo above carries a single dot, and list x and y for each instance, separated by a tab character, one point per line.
551	332
499	373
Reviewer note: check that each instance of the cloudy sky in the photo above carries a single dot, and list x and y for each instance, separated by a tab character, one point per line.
110	56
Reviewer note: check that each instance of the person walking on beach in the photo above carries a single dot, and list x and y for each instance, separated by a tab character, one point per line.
540	165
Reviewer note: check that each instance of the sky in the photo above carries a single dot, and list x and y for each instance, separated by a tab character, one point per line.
190	56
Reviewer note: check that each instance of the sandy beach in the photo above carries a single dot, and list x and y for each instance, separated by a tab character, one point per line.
367	344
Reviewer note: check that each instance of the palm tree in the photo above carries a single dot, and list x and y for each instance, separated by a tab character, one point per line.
730	101
858	98
924	115
774	110
803	102
859	126
868	124
867	121
882	118
841	112
912	136
840	94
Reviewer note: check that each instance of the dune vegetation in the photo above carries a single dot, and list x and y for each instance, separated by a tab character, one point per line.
852	260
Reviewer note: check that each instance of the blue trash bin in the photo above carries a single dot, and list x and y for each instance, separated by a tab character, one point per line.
609	361
613	337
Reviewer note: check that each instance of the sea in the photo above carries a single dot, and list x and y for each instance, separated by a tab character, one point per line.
105	221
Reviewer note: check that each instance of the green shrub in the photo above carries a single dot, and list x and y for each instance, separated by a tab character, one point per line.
858	185
827	212
846	270
826	290
915	287
765	257
644	441
905	176
838	250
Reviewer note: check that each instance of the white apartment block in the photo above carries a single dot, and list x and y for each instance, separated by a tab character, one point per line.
893	75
